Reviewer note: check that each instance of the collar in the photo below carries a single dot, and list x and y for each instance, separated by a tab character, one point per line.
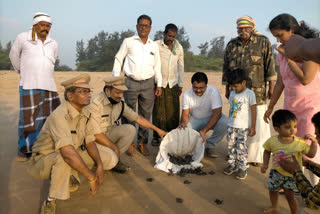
105	99
136	37
175	46
74	113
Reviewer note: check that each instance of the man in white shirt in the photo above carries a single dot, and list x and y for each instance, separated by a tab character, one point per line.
33	56
202	111
139	57
166	110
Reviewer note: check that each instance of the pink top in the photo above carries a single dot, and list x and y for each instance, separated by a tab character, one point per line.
302	100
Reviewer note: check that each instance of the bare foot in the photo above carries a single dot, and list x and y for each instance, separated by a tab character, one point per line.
271	210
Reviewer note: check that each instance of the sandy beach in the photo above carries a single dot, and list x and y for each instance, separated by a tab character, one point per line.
129	193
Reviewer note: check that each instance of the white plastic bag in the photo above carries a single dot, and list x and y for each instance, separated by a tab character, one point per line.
180	142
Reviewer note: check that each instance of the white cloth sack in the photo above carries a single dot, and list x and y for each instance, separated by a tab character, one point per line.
180	142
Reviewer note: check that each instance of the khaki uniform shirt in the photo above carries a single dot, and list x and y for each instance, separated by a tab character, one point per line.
105	114
65	126
172	64
255	57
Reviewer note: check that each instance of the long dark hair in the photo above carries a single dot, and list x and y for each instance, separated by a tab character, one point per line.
287	22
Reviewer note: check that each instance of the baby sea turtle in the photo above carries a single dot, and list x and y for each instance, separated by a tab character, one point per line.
218	201
149	179
179	200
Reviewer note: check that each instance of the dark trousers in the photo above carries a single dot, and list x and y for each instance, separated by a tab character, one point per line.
166	110
141	92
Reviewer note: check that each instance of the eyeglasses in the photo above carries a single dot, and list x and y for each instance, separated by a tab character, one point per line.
85	92
143	26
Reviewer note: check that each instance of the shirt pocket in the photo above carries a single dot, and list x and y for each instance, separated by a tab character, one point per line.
105	122
256	59
150	56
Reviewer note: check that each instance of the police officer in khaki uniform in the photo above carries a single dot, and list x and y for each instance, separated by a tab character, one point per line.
107	109
65	146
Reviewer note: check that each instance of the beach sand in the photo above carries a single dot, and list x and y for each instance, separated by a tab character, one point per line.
129	193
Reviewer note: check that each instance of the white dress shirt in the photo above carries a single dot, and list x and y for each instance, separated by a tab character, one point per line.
142	61
172	65
34	61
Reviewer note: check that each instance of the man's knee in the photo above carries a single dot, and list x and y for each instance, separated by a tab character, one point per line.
108	157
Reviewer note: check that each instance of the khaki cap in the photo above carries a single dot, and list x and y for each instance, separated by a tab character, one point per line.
81	81
116	82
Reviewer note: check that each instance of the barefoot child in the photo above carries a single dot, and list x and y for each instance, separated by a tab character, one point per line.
242	122
282	146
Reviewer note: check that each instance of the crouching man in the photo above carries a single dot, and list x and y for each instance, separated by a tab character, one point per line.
108	108
65	146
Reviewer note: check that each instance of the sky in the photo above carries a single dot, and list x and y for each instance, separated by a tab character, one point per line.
203	20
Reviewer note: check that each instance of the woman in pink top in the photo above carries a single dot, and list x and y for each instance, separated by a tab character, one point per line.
300	81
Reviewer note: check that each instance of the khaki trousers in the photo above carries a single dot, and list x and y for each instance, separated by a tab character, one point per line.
52	166
122	136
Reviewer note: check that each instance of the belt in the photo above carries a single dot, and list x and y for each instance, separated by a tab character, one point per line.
128	77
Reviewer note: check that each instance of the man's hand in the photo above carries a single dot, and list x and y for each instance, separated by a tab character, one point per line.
182	125
179	91
252	132
203	136
161	133
94	187
263	168
100	175
289	166
158	91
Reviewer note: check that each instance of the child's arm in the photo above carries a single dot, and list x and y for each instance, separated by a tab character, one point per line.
252	130
266	158
313	147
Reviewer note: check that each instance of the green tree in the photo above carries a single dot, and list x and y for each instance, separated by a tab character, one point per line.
81	53
183	38
100	51
5	63
58	67
203	48
217	47
158	35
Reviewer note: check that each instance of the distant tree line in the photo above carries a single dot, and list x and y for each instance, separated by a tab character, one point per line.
99	53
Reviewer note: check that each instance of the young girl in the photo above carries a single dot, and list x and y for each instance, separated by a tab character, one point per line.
300	81
283	146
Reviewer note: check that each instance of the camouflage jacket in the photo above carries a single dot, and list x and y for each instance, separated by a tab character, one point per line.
256	58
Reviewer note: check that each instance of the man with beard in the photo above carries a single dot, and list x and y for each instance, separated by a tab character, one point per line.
66	146
108	108
252	52
139	59
166	110
33	56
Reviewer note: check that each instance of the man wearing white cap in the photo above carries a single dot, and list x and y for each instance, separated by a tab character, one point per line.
65	146
33	56
108	108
